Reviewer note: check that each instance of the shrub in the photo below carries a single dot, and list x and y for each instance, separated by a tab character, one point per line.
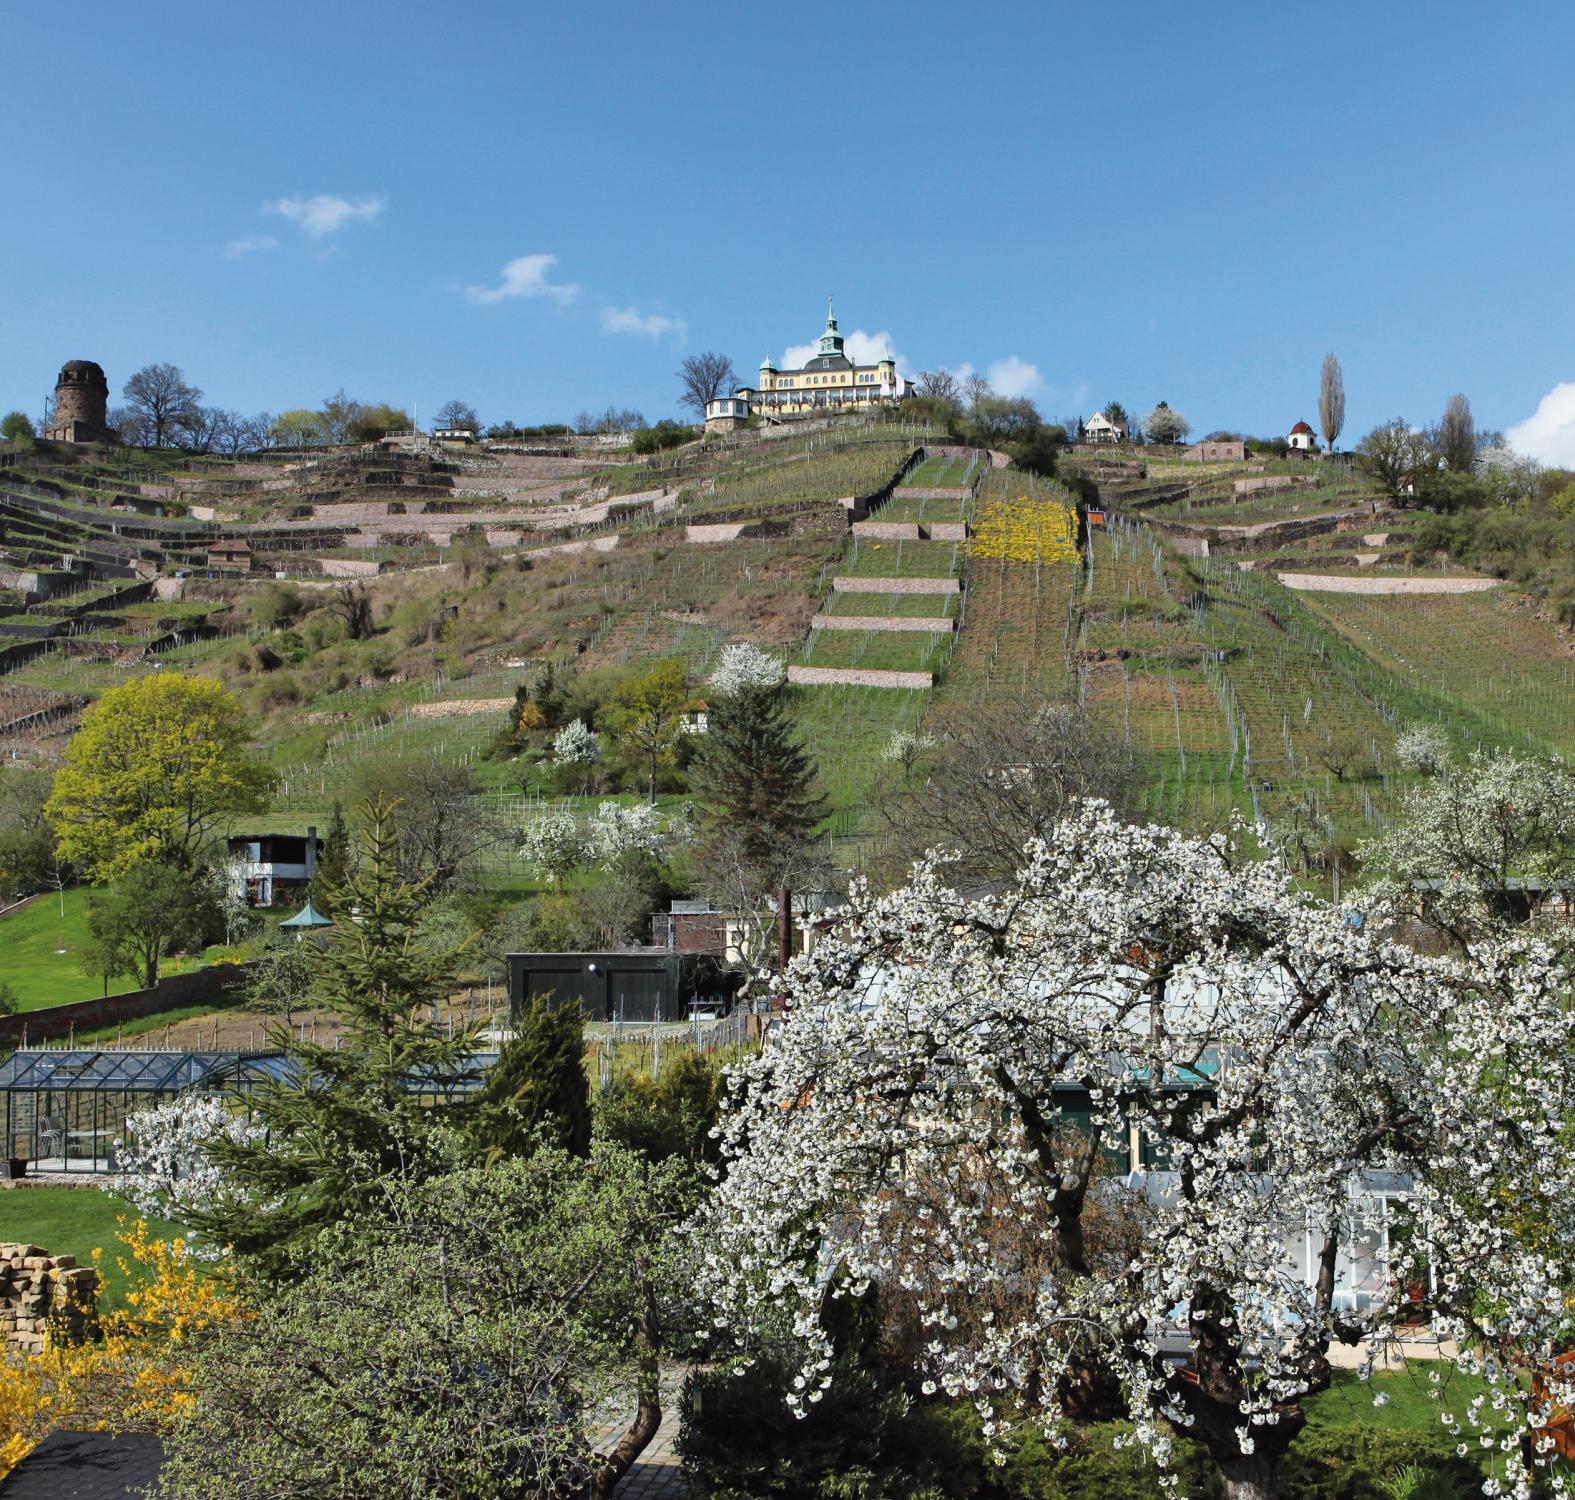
669	1116
1351	1463
865	1438
666	434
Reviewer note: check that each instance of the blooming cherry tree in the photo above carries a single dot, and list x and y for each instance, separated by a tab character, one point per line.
166	1163
905	747
746	668
577	744
617	831
554	844
932	1121
1476	826
1422	747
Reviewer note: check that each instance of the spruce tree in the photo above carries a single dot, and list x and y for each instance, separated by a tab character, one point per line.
342	1123
539	1079
756	782
334	865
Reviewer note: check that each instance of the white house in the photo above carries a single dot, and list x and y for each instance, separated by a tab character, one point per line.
1100	429
1302	438
453	435
726	413
264	867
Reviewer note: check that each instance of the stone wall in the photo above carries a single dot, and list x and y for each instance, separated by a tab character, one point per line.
56	1021
37	1288
897	585
888	531
934	624
855	677
1332	583
460	708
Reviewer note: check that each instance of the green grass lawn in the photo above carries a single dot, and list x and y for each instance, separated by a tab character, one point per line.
867	559
41	943
75	1221
906	509
899	651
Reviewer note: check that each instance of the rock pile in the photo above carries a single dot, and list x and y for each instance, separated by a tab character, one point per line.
38	1289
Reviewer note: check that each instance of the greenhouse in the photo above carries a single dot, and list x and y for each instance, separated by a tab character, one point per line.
65	1110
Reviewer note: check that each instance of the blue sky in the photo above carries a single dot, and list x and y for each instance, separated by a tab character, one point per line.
1188	203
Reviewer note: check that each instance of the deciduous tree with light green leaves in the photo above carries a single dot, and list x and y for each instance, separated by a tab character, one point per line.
647	714
457	1337
156	766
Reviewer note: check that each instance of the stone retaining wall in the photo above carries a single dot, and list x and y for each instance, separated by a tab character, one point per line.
946	531
55	1021
888	531
724	531
1327	583
593	544
37	1288
1272	482
347	567
904	492
897	585
853	677
460	708
931	623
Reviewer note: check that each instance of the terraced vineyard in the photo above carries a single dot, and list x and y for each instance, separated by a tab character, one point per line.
1491	653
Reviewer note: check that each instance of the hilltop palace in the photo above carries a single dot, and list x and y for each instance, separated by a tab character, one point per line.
828	381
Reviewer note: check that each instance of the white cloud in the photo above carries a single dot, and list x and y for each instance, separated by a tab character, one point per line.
861	347
1549	433
248	244
1014	377
651	325
526	276
324	213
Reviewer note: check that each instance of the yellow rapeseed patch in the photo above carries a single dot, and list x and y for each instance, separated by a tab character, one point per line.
1024	530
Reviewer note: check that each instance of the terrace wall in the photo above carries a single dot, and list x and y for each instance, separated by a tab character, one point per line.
929	623
897	585
1329	583
857	677
56	1021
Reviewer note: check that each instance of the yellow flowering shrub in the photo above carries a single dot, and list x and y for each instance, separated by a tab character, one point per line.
1026	531
132	1376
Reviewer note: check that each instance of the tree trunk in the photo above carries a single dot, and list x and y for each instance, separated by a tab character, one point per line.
648	1410
151	972
1253	1476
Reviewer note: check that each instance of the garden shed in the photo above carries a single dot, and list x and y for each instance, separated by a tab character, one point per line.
65	1109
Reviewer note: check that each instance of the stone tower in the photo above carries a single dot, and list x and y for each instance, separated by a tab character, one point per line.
81	404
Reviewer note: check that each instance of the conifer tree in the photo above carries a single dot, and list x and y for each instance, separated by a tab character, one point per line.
334	865
339	1124
538	1080
756	782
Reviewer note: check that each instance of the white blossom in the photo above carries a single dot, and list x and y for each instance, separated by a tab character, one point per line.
577	744
617	830
553	843
164	1154
746	668
906	745
930	1119
1422	747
